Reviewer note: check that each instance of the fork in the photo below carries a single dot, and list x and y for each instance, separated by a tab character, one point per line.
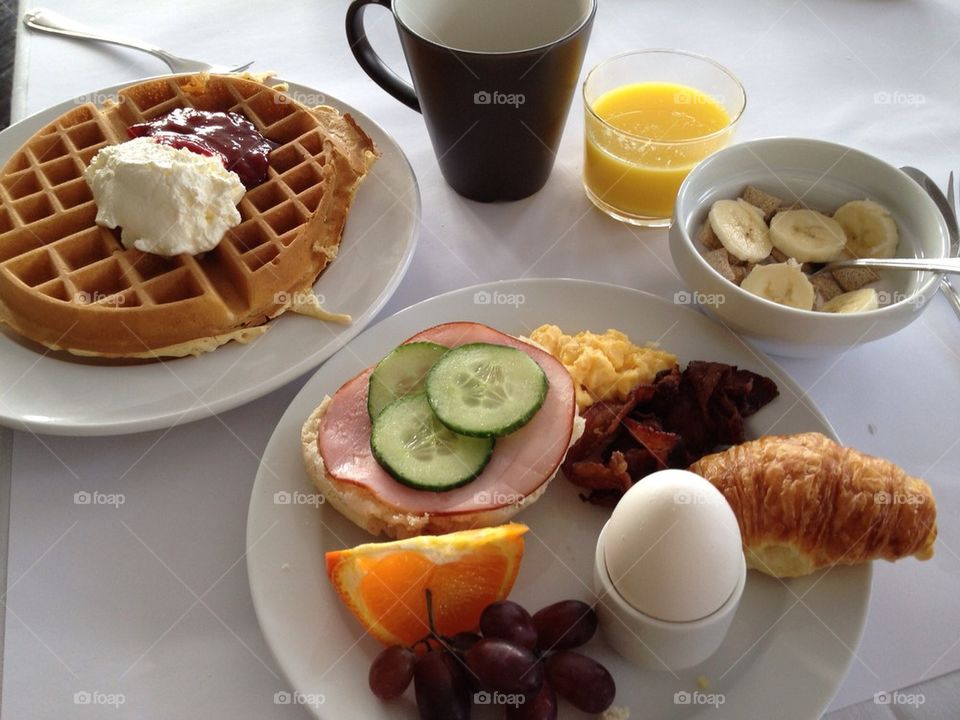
948	208
51	22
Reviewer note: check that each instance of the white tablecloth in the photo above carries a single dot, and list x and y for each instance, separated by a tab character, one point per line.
150	599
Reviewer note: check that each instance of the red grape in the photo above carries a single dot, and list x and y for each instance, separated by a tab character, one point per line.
441	687
392	671
580	680
565	625
460	643
463	641
504	667
507	620
542	706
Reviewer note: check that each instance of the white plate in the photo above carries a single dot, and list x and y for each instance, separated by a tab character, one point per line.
790	643
59	394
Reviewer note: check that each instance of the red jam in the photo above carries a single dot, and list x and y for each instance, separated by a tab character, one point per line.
229	136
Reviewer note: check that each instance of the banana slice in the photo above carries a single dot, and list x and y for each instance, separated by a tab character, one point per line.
870	228
807	236
783	283
857	301
741	230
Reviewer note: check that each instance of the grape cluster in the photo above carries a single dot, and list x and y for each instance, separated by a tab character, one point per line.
527	660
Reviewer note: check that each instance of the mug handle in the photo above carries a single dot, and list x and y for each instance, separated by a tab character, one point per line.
370	61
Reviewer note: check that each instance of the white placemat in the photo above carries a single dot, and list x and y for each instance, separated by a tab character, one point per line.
110	598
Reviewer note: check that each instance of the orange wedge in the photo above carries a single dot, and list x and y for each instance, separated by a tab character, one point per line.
383	584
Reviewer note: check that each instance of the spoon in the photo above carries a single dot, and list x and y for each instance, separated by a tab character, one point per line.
950	266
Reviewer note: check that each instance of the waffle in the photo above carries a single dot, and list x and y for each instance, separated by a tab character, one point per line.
69	284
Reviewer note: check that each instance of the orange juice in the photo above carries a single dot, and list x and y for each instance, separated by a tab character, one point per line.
647	138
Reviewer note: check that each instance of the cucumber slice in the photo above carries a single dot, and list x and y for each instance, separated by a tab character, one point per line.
418	450
485	390
402	372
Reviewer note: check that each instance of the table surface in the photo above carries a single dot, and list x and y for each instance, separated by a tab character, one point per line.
149	599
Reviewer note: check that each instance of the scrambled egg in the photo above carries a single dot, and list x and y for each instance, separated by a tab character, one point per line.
604	367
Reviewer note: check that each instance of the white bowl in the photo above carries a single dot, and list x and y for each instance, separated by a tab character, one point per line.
824	175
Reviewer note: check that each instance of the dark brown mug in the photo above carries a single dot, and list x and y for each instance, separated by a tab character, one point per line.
493	80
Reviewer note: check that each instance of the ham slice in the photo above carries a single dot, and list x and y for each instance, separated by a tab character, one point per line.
520	464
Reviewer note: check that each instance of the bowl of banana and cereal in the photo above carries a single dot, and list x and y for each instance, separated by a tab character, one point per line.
756	224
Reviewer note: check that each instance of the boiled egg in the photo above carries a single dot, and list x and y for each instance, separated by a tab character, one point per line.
672	547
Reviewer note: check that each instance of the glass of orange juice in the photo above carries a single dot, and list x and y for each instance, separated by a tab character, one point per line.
650	116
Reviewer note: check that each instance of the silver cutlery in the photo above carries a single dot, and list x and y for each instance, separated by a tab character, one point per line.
950	266
949	289
948	209
51	22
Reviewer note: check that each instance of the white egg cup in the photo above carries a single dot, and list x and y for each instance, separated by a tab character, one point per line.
658	644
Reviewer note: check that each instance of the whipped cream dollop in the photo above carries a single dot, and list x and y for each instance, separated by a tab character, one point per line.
167	201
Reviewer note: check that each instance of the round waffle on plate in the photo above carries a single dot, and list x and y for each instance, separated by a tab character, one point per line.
69	284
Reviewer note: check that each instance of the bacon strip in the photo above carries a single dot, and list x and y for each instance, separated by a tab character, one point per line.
672	422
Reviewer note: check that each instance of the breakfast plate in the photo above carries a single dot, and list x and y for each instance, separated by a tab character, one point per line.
62	394
790	642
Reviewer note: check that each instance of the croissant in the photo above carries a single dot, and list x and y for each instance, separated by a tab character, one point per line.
804	502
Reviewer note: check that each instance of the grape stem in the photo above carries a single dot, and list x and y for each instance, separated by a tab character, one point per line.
429	600
432	635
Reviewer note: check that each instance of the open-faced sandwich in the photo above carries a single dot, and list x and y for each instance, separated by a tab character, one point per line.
459	427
